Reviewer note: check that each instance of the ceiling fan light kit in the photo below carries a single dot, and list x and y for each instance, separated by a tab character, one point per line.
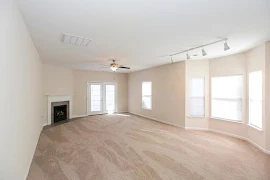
113	66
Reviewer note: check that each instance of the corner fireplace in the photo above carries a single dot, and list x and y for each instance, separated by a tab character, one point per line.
60	111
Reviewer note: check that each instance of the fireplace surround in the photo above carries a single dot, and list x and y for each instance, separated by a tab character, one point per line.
58	100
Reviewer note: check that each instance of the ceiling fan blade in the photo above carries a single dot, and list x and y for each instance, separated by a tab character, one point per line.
123	67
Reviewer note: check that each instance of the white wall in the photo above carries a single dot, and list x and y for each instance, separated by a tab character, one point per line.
21	94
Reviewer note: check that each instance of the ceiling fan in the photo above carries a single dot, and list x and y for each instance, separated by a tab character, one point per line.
113	66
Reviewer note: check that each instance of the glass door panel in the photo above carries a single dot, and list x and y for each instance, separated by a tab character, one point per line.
110	105
95	101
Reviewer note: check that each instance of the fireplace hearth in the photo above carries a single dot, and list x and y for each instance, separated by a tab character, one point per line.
60	111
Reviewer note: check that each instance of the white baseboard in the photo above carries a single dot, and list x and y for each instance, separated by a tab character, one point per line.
164	122
122	112
197	128
44	124
212	130
258	146
228	134
243	138
33	153
78	116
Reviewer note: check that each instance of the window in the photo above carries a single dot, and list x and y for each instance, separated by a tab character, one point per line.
147	95
227	97
255	99
196	97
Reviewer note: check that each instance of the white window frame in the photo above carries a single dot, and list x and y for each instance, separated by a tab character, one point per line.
250	100
147	95
227	99
190	97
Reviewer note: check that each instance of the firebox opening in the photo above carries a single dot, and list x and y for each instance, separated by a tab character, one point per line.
60	113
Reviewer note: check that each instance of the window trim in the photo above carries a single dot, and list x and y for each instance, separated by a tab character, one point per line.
250	99
147	96
192	116
231	99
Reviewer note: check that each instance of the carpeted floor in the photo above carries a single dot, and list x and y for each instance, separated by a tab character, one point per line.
128	147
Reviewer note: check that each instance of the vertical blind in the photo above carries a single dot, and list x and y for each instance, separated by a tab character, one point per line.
147	95
255	99
227	97
197	97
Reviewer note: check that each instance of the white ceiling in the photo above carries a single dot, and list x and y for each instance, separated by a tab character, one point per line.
137	32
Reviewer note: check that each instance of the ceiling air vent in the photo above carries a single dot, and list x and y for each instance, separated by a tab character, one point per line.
75	40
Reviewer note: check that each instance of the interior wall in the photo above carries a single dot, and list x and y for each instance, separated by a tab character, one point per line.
195	69
80	89
267	95
168	93
21	94
255	59
57	81
226	66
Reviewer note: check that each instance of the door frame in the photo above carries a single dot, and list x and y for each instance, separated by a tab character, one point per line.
104	96
88	96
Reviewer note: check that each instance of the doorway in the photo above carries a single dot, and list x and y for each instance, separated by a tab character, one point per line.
101	98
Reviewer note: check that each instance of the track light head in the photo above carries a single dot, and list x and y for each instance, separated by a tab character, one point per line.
188	56
204	53
172	60
226	46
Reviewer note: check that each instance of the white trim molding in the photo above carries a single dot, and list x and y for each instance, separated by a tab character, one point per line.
211	130
78	116
243	138
197	128
58	98
164	122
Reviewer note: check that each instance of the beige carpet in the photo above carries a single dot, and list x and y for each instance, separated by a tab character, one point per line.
116	147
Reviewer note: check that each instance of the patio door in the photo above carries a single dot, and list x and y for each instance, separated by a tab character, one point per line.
109	103
95	104
101	98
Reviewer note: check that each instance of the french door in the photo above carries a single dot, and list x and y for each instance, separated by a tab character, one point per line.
101	98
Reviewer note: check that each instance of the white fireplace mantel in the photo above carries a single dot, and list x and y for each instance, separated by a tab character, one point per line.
58	98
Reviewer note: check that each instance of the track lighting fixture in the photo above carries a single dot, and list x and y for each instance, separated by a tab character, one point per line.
188	56
204	52
172	60
226	47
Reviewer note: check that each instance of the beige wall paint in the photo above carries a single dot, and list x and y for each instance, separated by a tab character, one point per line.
80	89
243	63
225	66
21	94
168	93
57	81
255	62
267	95
195	69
